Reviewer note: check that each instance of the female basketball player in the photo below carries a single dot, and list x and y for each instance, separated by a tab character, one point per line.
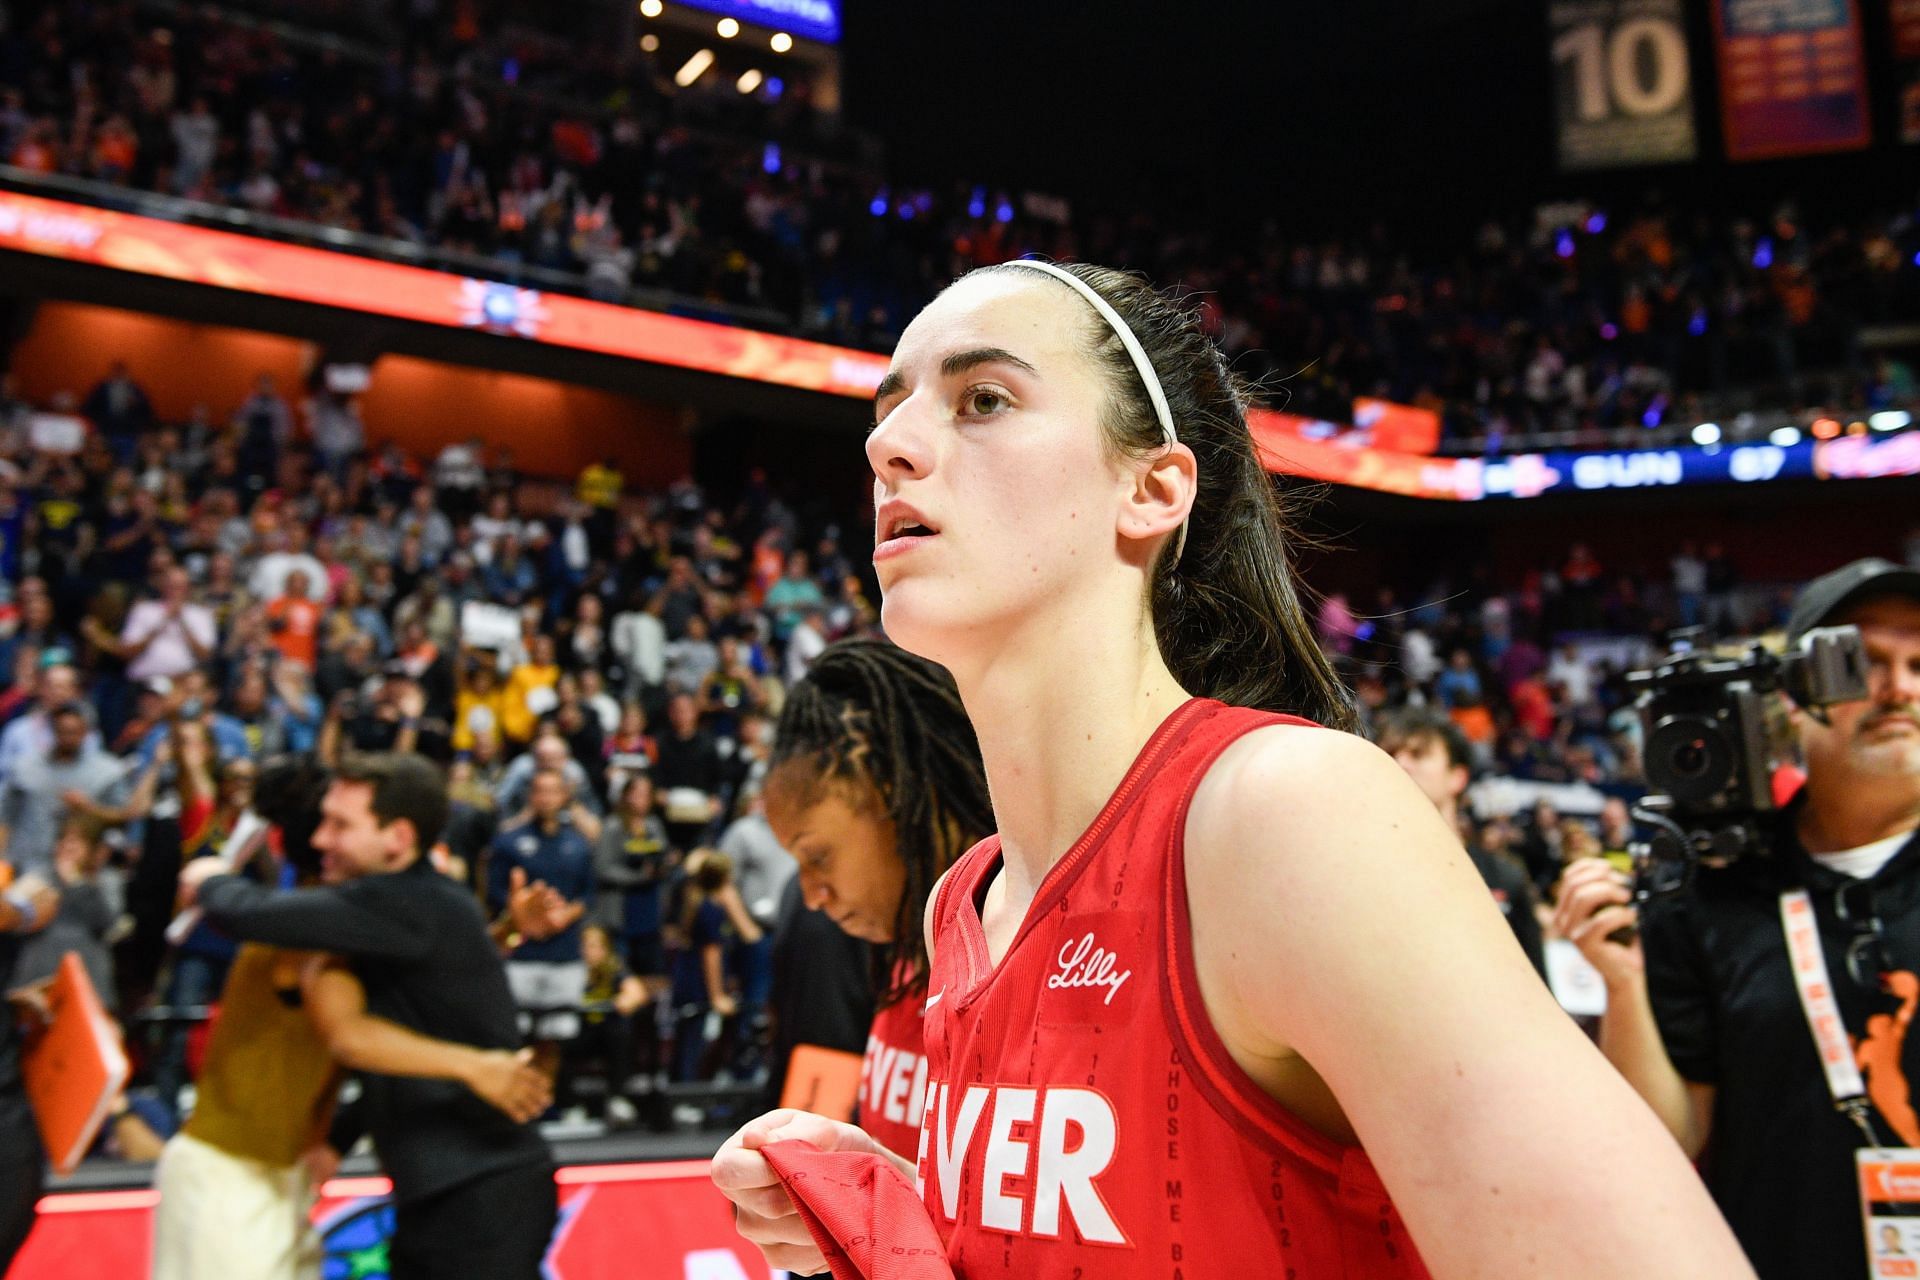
1219	965
875	788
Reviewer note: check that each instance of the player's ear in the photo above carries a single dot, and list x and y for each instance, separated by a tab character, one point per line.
401	840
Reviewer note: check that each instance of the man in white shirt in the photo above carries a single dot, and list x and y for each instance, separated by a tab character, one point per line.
640	638
804	644
286	556
169	636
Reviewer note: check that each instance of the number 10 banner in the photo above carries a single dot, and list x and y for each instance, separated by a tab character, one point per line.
1623	92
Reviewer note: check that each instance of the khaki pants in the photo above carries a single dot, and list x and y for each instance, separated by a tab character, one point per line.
229	1217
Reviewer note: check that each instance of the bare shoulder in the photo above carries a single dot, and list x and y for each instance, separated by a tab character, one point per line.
1309	846
1314	785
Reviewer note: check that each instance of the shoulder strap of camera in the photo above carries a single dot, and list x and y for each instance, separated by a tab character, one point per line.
1811	980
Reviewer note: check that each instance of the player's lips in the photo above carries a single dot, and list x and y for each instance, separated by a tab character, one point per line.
898	527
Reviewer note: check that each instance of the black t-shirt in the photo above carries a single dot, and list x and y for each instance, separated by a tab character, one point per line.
1513	893
690	762
1780	1160
822	985
372	732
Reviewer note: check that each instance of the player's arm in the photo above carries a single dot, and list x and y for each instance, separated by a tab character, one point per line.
336	1004
1595	912
1507	1142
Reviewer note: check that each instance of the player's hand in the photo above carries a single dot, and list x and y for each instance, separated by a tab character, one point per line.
762	1213
511	1083
1596	902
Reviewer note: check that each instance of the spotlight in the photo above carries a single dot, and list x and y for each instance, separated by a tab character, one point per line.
1890	419
781	42
651	8
1707	433
1784	437
650	43
693	68
727	28
749	80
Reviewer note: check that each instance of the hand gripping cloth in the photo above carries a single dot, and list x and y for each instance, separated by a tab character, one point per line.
865	1217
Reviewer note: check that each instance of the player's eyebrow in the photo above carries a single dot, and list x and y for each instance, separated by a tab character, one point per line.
962	361
952	366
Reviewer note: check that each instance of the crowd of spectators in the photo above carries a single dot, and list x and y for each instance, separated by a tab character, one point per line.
601	672
1568	319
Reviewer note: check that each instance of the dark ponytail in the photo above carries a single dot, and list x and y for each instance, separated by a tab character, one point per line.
1229	616
890	727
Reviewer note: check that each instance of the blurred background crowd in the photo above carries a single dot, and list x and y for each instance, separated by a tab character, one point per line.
473	130
187	600
185	594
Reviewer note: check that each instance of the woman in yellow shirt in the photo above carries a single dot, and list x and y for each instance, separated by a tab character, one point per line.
529	693
479	709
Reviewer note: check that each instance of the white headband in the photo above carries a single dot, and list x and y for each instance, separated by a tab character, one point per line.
1138	353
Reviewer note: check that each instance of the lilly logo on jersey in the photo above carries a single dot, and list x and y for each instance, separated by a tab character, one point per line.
1035	1171
1086	964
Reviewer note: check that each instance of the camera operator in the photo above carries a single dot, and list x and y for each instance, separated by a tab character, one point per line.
1705	1012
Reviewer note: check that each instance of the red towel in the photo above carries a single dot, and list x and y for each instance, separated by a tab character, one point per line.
865	1217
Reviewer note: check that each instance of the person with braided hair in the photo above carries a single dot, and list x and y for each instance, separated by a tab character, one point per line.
1222	996
875	787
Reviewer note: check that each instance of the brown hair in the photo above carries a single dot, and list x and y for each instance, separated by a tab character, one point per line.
708	871
1229	616
404	786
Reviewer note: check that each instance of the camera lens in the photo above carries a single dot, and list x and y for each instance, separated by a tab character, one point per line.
1690	758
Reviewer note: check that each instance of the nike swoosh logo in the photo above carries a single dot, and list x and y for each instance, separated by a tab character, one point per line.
934	999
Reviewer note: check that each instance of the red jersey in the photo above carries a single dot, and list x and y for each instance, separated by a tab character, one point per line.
1083	1116
893	1077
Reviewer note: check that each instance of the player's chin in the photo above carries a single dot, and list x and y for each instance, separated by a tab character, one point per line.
924	615
867	931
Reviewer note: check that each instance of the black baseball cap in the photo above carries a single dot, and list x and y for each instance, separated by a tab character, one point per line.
1864	579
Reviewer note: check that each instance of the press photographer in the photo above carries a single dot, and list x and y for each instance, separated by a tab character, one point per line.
1715	1015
